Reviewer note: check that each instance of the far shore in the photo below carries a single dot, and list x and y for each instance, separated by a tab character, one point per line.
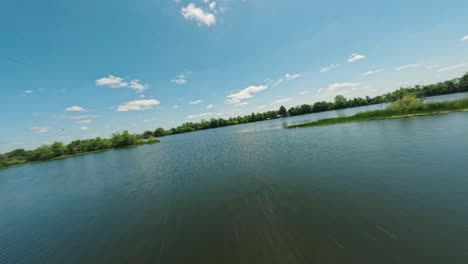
395	111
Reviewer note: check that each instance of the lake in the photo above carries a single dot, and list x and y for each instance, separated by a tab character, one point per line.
393	191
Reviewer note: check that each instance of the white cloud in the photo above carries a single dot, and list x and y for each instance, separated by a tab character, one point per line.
261	107
196	102
325	69
278	82
464	38
137	86
355	57
454	67
85	121
209	106
303	92
432	66
119	82
372	72
282	101
200	115
112	81
138	105
192	12
407	66
241	104
180	80
245	94
212	6
175	106
84	128
75	108
28	91
39	129
289	77
336	86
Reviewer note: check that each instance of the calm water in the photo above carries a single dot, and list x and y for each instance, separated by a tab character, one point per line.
391	191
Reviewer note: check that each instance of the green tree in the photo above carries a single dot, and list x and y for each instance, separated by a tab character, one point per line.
282	111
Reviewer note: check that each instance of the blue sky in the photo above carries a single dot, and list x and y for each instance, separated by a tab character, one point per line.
81	69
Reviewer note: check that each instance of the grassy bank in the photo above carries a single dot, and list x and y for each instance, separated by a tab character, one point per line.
404	108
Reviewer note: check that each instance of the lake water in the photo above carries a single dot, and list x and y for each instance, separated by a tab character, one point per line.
393	191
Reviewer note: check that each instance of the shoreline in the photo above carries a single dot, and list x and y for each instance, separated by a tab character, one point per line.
388	115
75	155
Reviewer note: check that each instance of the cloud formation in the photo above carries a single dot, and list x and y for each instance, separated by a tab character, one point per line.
407	66
180	80
75	108
138	105
119	82
355	57
192	12
325	69
282	101
195	102
465	38
39	129
245	94
372	72
336	86
454	67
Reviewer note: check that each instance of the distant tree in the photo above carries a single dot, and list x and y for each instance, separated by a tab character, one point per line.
340	102
282	111
147	134
160	132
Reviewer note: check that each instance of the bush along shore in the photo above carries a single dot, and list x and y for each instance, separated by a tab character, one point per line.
75	148
408	106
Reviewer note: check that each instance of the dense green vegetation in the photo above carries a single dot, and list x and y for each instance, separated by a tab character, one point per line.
119	140
78	147
408	106
452	86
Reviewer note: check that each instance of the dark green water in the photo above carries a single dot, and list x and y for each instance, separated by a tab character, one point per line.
391	191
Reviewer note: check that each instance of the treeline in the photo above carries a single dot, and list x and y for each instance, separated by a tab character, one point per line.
59	150
448	87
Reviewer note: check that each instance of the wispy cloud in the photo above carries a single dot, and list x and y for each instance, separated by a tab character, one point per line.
75	108
336	86
372	72
325	69
28	91
241	104
119	82
175	106
261	107
209	106
202	17
84	128
282	101
195	102
407	66
303	92
200	115
39	129
245	94
138	105
287	77
464	38
180	80
355	57
454	67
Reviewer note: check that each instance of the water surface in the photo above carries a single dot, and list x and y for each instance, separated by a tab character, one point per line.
392	191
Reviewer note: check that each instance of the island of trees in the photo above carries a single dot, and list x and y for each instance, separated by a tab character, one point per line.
119	140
